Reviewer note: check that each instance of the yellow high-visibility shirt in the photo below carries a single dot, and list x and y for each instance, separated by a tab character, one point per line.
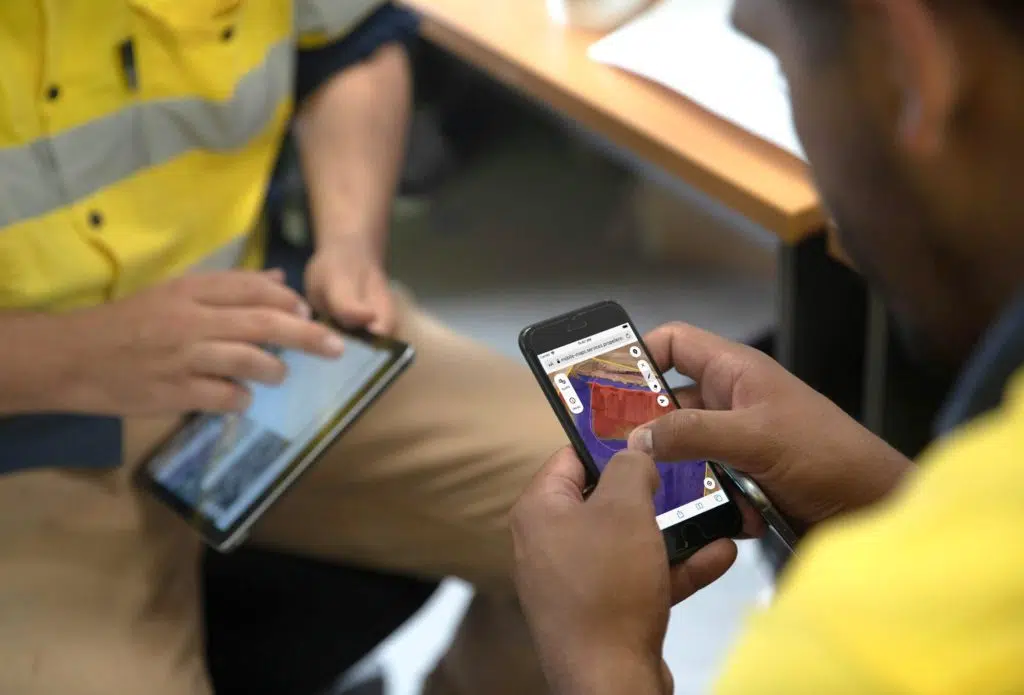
137	137
923	595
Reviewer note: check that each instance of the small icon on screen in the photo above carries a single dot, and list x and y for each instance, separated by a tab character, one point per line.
572	399
718	498
700	505
710	483
654	385
636	351
680	514
663	401
562	381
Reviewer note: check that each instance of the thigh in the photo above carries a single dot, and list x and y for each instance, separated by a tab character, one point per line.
423	483
98	588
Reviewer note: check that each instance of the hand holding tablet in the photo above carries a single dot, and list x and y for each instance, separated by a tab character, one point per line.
221	472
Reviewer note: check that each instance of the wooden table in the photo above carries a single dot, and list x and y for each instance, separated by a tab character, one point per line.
821	307
828	331
516	43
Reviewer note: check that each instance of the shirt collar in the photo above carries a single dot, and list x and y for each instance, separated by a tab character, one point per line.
980	386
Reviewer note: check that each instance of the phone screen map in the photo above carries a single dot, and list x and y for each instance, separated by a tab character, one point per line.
609	386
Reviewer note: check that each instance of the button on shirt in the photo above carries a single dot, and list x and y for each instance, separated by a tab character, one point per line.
137	140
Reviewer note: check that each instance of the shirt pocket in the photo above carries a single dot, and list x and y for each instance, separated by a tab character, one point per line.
187	47
211	74
193	18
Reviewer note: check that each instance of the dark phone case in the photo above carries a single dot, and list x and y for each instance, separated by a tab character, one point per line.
675	556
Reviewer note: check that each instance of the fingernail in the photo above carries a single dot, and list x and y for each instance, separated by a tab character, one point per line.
642	440
334	344
303	310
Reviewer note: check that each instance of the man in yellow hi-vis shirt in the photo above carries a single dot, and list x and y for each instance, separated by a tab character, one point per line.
137	139
912	115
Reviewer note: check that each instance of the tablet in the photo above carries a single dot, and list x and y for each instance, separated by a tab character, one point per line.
222	472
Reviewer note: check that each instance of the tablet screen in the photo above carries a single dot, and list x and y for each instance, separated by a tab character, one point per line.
218	466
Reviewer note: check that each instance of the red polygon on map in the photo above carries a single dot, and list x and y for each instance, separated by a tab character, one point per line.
616	411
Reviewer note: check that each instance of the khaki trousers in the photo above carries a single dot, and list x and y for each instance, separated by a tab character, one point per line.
99	584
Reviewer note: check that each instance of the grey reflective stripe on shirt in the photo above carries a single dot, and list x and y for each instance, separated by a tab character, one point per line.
332	18
227	257
51	173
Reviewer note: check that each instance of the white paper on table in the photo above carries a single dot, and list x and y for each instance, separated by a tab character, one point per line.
691	47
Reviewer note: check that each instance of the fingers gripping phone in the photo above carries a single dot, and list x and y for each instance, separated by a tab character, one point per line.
774	519
602	383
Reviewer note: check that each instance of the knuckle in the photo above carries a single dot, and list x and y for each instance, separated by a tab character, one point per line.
672	331
276	371
246	286
224	400
278	328
316	336
761	420
763	426
264	287
241	363
682	422
226	397
260	325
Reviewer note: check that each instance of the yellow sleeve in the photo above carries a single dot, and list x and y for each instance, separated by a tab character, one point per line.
319	22
922	595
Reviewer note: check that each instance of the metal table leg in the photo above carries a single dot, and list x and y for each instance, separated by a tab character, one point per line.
901	398
822	309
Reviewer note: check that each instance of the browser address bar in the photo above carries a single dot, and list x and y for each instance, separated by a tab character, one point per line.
580	351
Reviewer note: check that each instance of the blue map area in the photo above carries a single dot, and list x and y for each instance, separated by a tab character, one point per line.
681	483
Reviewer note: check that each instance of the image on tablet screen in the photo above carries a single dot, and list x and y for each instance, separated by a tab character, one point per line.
221	464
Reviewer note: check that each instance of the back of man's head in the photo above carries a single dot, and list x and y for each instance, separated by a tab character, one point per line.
912	114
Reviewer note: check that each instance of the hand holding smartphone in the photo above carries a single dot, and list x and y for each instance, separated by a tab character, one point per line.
598	376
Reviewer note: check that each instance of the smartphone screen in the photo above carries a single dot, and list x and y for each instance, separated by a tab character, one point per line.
609	385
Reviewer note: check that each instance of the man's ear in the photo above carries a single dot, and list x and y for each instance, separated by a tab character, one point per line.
922	57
